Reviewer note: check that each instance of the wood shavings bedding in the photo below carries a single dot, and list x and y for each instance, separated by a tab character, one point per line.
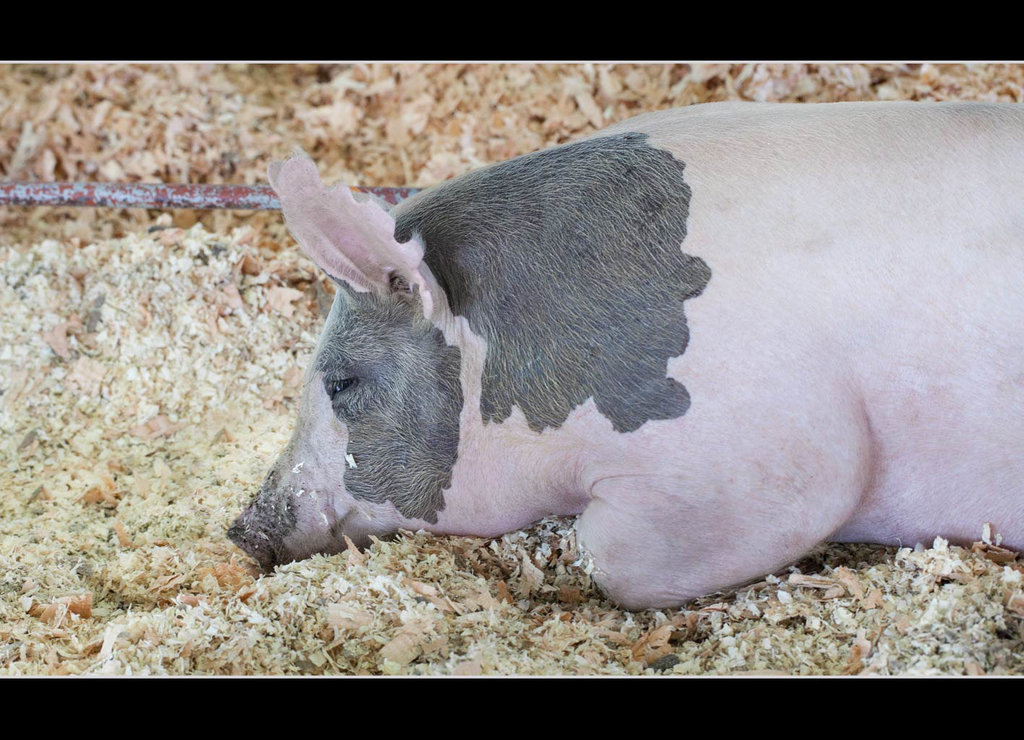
150	365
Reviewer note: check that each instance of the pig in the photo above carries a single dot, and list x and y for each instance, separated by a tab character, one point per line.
719	335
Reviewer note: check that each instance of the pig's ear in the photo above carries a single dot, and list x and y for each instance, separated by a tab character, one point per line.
350	236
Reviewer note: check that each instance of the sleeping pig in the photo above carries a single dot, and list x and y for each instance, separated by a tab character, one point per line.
720	335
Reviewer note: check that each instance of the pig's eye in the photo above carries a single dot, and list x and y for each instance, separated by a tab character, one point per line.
340	386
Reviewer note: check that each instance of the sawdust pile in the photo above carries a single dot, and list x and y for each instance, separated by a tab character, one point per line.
150	366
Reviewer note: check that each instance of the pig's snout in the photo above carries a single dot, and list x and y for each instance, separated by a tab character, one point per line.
261	529
254	543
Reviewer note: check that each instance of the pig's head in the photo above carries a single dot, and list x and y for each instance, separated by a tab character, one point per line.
378	426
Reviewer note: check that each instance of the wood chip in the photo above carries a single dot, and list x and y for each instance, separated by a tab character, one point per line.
222	435
404	647
158	426
1016	603
853	585
859	653
995	553
28	443
123	538
86	375
292	378
56	612
874	599
479	597
232	298
170	237
166	583
468	668
230	575
347	617
590	109
653	644
973	668
354	556
531	577
249	265
719	606
431	594
503	593
104	492
57	339
570	594
799	579
281	299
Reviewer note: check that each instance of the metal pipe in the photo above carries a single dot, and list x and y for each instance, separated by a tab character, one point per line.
159	196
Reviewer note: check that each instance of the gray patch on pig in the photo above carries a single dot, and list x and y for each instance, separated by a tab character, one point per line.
569	262
262	528
403	413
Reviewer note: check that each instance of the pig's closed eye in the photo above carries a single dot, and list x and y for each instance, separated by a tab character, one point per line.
340	386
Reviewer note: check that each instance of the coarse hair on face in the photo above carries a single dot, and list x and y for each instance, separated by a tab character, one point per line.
392	380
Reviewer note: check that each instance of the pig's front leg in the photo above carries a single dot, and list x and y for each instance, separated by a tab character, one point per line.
649	555
660	541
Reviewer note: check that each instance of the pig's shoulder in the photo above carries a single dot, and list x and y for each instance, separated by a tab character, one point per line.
571	263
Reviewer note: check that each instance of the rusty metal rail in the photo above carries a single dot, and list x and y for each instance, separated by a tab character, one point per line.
159	196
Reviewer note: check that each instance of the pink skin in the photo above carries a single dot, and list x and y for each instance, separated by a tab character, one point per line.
855	364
